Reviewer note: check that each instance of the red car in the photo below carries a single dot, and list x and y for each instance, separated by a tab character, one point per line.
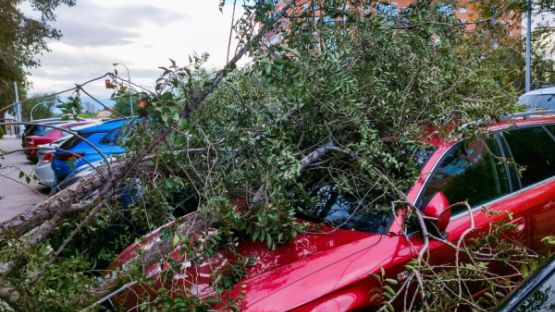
48	136
329	271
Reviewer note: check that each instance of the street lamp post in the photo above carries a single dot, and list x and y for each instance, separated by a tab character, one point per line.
35	106
129	80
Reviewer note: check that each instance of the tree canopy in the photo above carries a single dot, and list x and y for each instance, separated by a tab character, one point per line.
42	106
22	38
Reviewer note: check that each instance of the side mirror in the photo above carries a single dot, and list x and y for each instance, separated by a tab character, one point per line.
437	213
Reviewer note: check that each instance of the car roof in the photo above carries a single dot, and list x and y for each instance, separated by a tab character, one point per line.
523	119
79	127
76	123
47	119
548	90
46	122
104	126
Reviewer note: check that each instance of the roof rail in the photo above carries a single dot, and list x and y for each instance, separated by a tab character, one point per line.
529	114
523	115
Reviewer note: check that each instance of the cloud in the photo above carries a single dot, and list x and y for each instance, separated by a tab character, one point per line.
98	35
96	24
143	34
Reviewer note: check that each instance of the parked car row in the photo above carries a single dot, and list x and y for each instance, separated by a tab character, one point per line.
65	148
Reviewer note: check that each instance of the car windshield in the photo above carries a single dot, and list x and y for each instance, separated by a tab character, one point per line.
42	130
367	214
112	137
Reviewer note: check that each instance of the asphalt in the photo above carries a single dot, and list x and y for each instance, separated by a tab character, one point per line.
16	195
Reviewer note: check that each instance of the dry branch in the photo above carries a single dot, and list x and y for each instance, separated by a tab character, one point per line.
318	153
187	226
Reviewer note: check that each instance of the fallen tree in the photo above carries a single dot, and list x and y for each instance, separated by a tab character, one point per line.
330	103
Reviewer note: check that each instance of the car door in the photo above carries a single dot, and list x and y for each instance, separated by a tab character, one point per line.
533	151
477	172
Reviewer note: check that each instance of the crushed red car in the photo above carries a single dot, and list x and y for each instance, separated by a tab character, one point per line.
329	271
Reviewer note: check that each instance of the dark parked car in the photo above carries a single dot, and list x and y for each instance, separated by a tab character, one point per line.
536	293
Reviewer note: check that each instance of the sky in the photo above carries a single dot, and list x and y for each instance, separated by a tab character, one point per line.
142	34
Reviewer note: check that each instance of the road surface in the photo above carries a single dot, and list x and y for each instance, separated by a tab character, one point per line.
16	195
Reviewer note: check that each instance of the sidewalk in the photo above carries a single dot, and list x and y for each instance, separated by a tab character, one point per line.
16	195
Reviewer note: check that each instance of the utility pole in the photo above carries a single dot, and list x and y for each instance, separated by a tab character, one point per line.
528	77
18	110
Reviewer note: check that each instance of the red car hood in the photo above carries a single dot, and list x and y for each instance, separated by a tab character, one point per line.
285	277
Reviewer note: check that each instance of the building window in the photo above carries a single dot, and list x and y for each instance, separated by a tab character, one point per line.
275	39
366	9
328	20
387	10
445	9
346	8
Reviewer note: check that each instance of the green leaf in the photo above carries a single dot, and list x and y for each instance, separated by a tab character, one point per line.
375	276
524	270
375	296
391	281
389	291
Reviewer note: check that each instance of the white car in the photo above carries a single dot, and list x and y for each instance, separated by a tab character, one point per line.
542	99
43	168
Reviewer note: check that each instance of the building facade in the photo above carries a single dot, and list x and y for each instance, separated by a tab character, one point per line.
466	12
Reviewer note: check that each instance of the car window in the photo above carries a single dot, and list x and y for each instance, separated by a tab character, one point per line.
551	130
533	151
112	137
43	130
74	141
541	299
371	213
474	172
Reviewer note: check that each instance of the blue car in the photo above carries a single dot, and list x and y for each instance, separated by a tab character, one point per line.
76	152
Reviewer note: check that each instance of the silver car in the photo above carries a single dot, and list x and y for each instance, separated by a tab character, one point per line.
540	99
43	169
